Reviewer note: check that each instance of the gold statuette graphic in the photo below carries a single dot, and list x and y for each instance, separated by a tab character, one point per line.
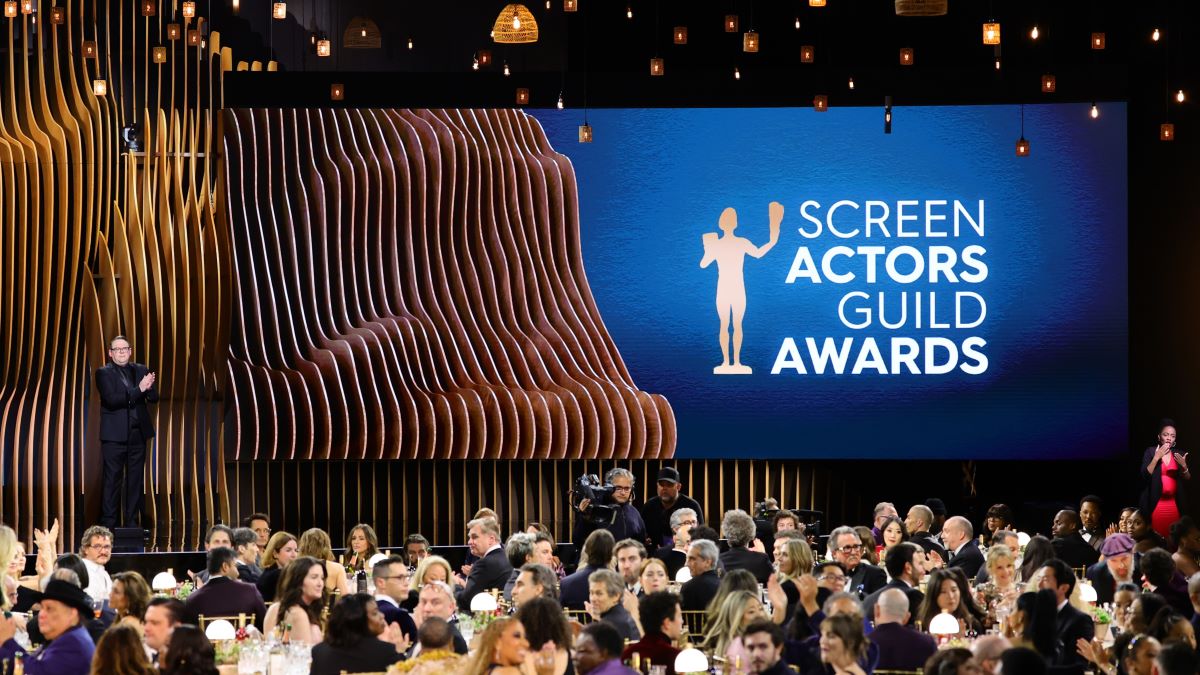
729	252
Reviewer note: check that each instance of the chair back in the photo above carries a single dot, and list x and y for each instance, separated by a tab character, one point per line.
239	620
696	621
578	615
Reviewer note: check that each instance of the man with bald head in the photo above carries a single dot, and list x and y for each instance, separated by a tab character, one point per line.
1069	544
900	647
959	537
917	522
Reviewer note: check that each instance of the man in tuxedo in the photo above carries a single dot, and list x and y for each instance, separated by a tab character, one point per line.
847	549
519	551
492	569
905	564
245	542
1118	567
702	563
1071	625
1069	544
223	594
125	426
900	647
675	554
917	522
1091	516
959	537
390	577
738	528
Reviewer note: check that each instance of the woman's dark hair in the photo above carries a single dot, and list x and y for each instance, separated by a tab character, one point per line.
895	519
598	549
850	630
1041	611
947	661
1120	649
1149	605
190	653
1002	511
120	652
70	561
967	610
1037	552
1180	528
348	621
544	622
137	593
291	588
1164	620
1157	567
1166	422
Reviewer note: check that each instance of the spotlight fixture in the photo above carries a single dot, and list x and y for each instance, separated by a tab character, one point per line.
850	84
507	72
797	23
1155	35
737	74
1179	96
410	43
628	11
560	101
237	6
887	114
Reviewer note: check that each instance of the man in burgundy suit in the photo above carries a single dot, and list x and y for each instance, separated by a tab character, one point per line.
662	622
223	594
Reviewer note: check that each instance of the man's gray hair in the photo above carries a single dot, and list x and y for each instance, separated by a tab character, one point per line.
840	595
243	536
619	473
962	524
678	516
923	513
881	507
706	549
892	604
613	583
738	527
1000	536
440	586
487	524
839	531
518	548
66	574
990	647
544	577
1194	584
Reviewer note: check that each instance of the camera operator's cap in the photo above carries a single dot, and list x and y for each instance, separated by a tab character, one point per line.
936	505
668	473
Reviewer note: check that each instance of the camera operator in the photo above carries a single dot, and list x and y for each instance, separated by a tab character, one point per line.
624	523
657	511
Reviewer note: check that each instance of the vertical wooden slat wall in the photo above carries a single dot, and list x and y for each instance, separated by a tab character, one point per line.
438	497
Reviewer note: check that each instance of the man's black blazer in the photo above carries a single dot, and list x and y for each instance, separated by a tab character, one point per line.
118	397
490	571
915	596
1074	550
223	596
870	577
742	558
697	593
969	559
1071	625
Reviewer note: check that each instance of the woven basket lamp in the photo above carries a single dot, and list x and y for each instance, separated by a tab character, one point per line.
515	25
921	7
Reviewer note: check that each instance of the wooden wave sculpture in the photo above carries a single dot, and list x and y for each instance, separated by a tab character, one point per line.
410	284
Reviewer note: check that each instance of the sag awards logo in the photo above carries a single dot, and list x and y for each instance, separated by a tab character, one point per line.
902	265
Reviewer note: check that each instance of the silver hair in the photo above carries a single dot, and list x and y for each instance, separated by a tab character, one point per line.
963	524
707	550
840	595
487	524
67	575
837	532
620	473
738	527
518	548
613	583
441	586
990	647
883	506
892	604
679	515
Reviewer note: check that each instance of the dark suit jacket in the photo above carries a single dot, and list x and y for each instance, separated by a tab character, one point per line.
697	593
370	655
1102	580
915	596
620	617
573	591
928	542
901	648
1071	625
870	577
969	559
742	558
393	613
490	571
1074	550
223	596
70	652
249	573
675	560
118	398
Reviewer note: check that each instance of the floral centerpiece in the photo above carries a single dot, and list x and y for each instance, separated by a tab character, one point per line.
1103	620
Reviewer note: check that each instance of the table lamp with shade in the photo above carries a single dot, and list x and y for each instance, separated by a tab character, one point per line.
691	660
1087	593
220	630
483	602
684	575
943	626
164	582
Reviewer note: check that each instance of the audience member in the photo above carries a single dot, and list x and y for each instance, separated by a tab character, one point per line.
96	545
597	555
361	546
794	559
659	511
129	598
245	543
120	652
598	651
843	645
218	536
1144	536
358	640
68	647
416	549
534	581
435	652
870	552
1008	539
846	548
1176	659
1142	611
260	523
938	508
1158	570
785	520
905	564
738	528
879	518
722	635
893	532
189	653
301	596
543	549
627	523
1022	660
315	543
900	647
953	661
629	555
999	593
1091	520
653	576
95	623
548	633
281	550
947	592
1165	476
1140	656
675	553
662	623
503	649
959	537
437	601
1037	552
162	616
390	579
492	570
1071	624
918	522
224	595
999	517
698	592
1069	544
763	642
1169	627
604	602
988	650
1185	534
519	551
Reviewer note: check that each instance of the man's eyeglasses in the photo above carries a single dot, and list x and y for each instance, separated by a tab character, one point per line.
850	548
398	576
120	350
622	488
102	547
831	578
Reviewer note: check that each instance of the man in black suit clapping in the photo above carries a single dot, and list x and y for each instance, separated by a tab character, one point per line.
492	569
125	388
959	537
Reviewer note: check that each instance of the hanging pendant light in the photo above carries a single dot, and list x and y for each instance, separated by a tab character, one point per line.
279	10
680	35
515	25
337	92
991	33
189	9
750	42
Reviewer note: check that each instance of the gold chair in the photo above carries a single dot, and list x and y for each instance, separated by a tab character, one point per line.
696	621
239	620
578	615
1080	572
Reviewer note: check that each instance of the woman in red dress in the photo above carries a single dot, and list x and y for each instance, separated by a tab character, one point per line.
1165	472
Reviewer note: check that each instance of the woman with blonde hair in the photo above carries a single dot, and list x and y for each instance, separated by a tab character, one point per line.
129	599
998	595
737	610
502	650
8	549
361	546
282	549
315	543
794	559
431	568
